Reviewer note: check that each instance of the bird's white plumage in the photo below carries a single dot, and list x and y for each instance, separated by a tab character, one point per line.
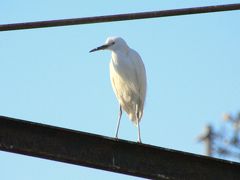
128	78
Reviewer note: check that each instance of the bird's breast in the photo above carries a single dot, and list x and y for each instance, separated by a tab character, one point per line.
122	63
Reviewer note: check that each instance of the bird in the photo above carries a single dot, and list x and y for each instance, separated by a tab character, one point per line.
128	79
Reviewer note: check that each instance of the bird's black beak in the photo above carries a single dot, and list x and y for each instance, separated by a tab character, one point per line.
105	46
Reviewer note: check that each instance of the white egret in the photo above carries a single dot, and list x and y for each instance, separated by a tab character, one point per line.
128	78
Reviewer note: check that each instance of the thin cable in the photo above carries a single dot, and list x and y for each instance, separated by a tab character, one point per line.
119	17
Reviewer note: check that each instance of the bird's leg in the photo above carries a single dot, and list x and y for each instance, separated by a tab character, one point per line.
139	134
138	125
118	123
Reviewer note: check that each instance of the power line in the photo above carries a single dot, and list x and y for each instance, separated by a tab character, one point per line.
119	17
85	149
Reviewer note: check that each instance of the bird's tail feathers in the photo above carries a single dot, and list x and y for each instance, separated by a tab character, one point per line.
136	117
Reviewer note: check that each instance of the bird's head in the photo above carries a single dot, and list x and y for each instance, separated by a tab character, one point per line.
112	43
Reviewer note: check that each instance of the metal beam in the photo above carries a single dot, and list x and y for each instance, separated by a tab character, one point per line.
119	17
70	146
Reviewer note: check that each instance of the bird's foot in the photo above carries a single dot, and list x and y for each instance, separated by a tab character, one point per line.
116	138
139	141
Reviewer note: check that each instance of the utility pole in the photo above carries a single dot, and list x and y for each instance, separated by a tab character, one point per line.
207	138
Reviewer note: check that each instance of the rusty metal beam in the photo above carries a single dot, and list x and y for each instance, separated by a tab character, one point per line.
79	148
119	17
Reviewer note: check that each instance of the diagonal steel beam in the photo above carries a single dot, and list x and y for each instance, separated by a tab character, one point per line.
79	148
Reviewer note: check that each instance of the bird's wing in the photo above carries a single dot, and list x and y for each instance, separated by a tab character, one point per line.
129	84
140	74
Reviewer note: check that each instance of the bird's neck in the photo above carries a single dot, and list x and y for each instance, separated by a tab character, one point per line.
120	58
120	52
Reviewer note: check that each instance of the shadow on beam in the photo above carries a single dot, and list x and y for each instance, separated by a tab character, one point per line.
79	148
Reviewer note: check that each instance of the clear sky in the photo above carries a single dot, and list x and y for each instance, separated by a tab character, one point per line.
48	76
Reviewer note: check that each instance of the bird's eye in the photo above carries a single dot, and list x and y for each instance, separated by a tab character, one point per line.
113	43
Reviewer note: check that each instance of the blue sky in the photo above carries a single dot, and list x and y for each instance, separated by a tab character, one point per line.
48	76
